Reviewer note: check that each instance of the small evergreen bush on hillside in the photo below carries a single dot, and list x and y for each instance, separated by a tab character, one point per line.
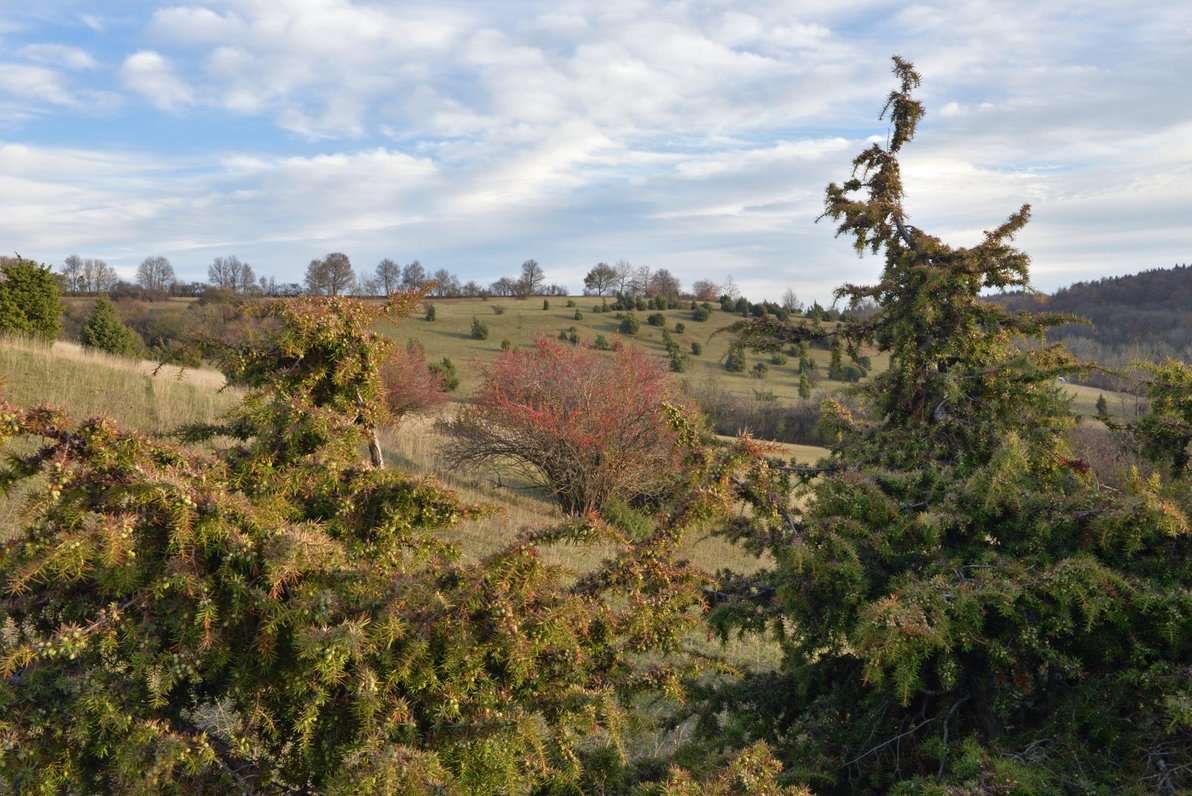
734	362
103	330
678	362
444	370
29	301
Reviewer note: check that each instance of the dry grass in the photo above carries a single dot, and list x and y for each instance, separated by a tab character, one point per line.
88	384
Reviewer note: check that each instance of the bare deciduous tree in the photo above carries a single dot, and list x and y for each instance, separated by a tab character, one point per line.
446	283
664	284
625	271
639	282
413	276
330	276
155	273
89	275
230	273
72	273
503	287
531	280
388	275
705	290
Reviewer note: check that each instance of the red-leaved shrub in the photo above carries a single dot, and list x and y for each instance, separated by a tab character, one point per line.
588	427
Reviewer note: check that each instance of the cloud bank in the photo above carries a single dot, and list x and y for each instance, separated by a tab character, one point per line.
695	137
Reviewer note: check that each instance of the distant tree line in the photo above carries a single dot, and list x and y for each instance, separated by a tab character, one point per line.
334	275
1140	316
330	275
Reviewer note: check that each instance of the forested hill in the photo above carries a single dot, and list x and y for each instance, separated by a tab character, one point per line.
1152	307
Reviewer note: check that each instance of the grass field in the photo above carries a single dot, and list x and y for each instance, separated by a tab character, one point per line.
128	392
1122	406
523	320
86	383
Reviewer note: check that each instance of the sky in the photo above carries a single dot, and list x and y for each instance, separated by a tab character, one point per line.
692	136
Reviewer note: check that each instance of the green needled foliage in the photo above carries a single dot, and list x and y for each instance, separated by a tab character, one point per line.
276	616
103	330
1165	431
964	606
29	301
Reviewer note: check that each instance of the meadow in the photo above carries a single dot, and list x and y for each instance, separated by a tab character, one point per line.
521	321
140	396
87	383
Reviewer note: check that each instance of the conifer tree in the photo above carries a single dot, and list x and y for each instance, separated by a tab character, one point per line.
274	616
29	301
1165	430
103	330
1102	406
965	607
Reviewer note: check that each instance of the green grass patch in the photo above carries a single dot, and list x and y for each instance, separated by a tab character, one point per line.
1121	405
521	321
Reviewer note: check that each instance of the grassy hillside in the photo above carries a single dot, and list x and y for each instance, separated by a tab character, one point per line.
1122	406
522	320
86	383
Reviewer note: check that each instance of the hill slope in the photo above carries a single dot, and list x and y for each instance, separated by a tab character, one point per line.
1150	308
520	321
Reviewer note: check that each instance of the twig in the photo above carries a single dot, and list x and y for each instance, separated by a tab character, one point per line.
947	718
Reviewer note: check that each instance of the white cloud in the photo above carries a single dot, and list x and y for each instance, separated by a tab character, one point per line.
35	83
694	136
58	55
329	68
55	201
150	73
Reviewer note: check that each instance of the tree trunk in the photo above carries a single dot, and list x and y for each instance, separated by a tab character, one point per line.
374	449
